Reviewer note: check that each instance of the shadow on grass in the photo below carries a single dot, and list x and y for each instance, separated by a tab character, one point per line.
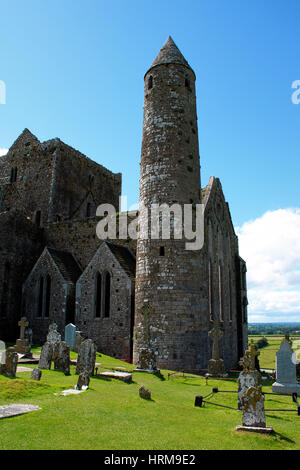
109	379
282	437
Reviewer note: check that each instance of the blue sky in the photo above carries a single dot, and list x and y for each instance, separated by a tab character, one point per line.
74	70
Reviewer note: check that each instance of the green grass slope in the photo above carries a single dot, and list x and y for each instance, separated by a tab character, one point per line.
112	416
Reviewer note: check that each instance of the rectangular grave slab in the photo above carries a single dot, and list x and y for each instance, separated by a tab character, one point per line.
8	411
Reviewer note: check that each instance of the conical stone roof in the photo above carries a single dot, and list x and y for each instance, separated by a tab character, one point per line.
170	54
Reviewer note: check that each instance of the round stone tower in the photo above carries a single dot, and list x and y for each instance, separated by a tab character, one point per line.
168	322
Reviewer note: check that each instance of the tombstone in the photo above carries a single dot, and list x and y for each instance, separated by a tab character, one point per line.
83	380
2	352
9	368
53	336
46	356
286	379
216	364
28	333
22	344
70	334
144	393
86	357
62	358
252	405
77	341
36	374
249	377
146	360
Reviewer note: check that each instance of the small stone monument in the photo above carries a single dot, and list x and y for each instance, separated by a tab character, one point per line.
86	357
215	364
51	351
83	380
146	361
286	380
46	356
36	374
53	336
62	358
144	393
77	341
252	405
70	334
249	377
22	344
9	368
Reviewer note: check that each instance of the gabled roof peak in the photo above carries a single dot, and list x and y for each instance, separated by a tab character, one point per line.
24	138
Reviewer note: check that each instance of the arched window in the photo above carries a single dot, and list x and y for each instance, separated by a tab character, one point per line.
88	209
48	295
13	174
41	298
187	83
98	295
150	82
107	295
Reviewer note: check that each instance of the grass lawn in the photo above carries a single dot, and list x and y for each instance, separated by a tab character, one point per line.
112	416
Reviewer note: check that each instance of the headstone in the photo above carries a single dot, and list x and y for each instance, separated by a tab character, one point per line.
46	356
28	335
77	341
252	405
9	368
62	358
144	393
36	374
86	357
286	380
2	352
146	360
70	334
53	336
249	377
216	364
22	344
83	380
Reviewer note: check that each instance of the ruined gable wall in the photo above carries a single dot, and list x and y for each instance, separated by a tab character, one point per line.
61	293
112	334
79	181
31	190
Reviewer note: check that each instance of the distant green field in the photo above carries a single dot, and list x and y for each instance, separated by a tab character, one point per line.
268	354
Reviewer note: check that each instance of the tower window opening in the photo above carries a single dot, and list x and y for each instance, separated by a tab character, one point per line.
13	174
150	82
37	218
107	296
187	83
162	251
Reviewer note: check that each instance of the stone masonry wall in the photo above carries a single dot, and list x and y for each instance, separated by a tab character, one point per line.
111	334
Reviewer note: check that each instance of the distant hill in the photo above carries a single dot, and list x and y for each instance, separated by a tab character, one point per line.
273	328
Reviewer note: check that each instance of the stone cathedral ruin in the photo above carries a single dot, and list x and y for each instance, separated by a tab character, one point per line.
150	301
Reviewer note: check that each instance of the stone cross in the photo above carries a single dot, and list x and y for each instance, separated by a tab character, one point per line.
252	354
215	334
23	323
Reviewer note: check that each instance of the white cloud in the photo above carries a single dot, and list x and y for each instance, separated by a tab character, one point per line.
3	151
270	246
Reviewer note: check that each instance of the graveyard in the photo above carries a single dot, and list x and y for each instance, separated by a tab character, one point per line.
112	414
